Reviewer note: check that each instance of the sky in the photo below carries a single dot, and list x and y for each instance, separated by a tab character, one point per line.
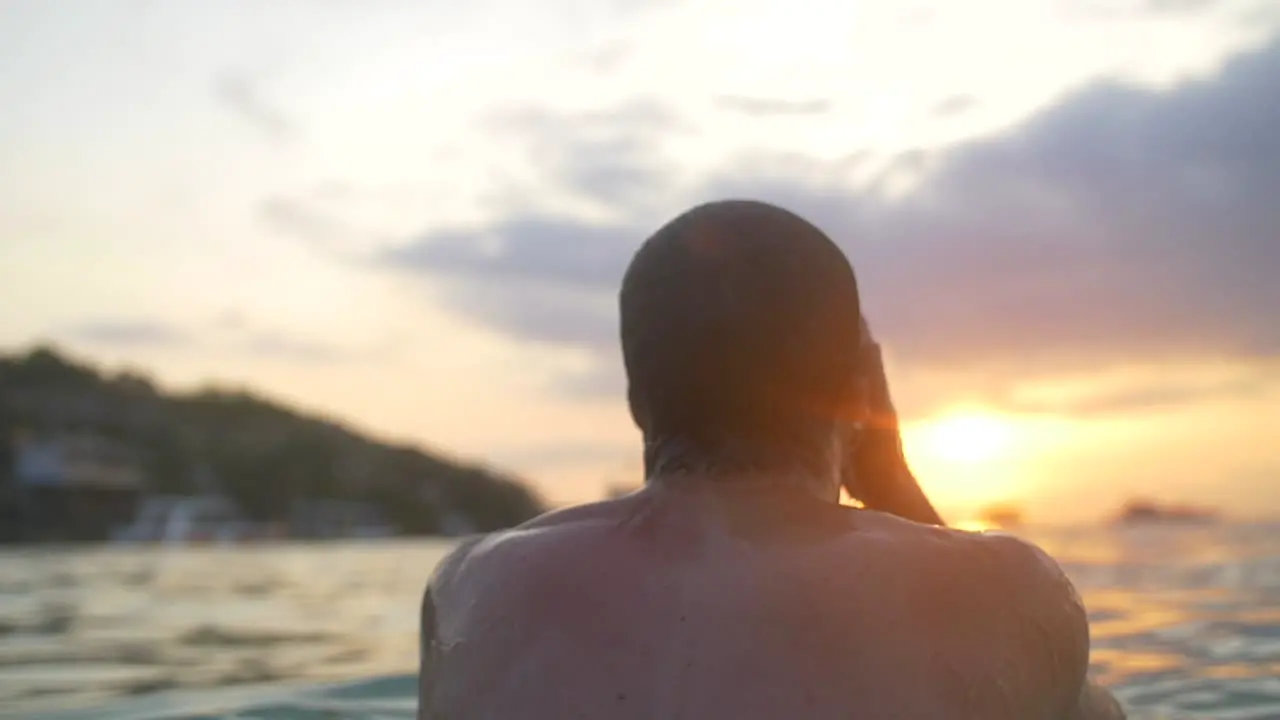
414	216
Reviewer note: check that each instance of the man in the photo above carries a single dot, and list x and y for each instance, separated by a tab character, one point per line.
734	585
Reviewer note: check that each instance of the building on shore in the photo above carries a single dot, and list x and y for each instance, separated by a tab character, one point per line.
73	486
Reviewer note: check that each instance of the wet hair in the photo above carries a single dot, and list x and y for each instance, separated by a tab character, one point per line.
740	337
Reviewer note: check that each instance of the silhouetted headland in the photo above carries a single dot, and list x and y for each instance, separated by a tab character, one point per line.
85	455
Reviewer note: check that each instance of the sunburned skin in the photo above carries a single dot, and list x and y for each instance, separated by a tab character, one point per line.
709	599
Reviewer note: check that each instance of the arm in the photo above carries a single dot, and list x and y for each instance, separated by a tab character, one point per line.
882	480
1054	611
878	473
1091	701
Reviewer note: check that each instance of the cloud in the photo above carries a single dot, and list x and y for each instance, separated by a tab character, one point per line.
1123	225
610	158
493	274
955	105
525	248
231	330
277	345
236	330
772	107
311	220
131	333
1151	396
242	95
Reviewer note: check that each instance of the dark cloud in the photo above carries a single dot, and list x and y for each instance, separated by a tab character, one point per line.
130	333
1122	225
241	94
773	107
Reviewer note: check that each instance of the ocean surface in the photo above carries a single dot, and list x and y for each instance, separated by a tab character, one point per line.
1186	624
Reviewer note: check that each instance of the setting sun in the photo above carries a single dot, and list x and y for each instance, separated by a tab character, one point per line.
967	458
965	438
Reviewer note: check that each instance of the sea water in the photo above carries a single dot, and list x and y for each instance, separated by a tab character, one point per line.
1185	622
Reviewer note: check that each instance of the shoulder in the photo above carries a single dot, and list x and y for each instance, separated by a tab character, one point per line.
477	551
452	563
1037	588
1004	579
1011	602
441	577
984	600
984	564
431	645
1016	563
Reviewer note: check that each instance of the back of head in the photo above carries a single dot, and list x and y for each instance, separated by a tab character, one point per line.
740	329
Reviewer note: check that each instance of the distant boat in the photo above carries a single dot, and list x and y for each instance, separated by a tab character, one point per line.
1001	517
1147	512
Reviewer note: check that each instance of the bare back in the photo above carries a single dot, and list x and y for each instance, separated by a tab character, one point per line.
713	602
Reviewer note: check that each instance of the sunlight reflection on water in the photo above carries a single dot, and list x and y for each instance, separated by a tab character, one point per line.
1186	623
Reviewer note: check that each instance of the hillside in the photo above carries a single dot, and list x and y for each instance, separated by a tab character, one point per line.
262	455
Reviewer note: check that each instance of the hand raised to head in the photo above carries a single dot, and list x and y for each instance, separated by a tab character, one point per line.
877	474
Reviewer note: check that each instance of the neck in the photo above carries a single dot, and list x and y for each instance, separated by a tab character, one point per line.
672	462
822	488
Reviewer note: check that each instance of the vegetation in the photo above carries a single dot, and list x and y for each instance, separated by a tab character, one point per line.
262	455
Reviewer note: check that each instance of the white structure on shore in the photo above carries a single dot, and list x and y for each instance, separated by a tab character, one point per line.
82	460
177	519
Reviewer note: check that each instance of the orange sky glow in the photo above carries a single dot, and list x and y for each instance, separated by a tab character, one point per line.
412	218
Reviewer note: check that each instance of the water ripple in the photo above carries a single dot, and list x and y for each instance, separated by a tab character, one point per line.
1185	623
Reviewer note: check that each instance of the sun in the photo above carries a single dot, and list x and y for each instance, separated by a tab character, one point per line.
968	457
965	438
